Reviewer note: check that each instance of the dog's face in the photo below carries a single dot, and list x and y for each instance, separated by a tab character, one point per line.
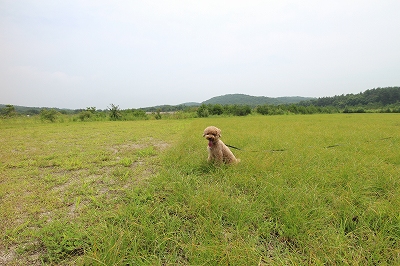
212	134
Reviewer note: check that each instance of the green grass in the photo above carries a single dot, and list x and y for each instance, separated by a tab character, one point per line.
141	193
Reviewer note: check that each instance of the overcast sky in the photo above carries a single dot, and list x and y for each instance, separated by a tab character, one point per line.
77	54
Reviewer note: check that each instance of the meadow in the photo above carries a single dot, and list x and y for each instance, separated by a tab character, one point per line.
309	190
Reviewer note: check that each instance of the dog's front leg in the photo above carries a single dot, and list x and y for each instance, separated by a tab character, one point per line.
210	157
219	157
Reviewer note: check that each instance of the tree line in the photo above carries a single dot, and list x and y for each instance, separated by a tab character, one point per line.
373	98
386	100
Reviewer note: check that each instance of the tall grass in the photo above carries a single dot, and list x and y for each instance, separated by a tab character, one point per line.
320	189
330	198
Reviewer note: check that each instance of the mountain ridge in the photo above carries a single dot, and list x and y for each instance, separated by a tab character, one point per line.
245	99
235	98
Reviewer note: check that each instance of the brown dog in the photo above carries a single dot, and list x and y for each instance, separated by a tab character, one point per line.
217	151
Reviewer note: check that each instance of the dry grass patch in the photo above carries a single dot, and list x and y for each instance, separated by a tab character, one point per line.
55	176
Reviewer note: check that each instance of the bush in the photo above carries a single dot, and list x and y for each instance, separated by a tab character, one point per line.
203	111
139	113
239	110
157	115
84	115
216	109
50	115
8	111
270	110
356	110
263	109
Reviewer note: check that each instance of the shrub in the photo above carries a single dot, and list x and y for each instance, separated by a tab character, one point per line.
50	115
139	113
239	110
356	110
8	111
216	109
203	111
263	109
157	115
85	114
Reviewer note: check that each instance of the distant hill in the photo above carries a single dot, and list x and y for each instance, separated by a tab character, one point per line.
243	99
191	104
239	99
35	110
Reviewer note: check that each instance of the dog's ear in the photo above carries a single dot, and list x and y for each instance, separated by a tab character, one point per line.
219	132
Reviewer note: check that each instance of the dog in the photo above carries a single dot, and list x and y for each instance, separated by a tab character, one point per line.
217	151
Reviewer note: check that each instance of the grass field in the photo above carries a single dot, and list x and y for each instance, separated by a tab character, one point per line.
316	189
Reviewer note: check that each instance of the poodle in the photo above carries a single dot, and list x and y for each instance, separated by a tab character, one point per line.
217	151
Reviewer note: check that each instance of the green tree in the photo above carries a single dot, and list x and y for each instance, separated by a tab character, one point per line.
9	111
202	111
158	114
115	113
264	109
216	109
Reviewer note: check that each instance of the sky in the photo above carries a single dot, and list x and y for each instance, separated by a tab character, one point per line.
93	53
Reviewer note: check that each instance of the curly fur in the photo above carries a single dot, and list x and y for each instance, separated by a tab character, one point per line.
217	151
